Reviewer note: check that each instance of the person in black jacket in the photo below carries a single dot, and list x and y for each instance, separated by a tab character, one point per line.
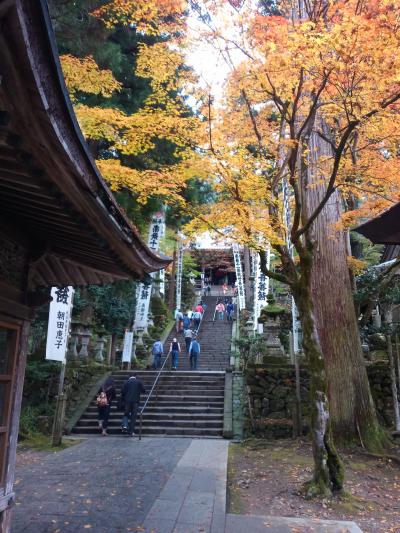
130	399
108	388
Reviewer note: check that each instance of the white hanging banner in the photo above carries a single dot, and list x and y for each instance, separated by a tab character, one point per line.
261	286
179	270
59	321
156	231
239	276
127	350
144	291
161	278
142	306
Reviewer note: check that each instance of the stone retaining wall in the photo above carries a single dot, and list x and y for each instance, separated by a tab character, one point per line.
272	396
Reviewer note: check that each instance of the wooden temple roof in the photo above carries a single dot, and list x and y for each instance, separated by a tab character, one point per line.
52	196
384	229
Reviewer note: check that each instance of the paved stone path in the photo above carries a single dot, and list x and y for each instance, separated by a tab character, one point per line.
277	524
194	498
157	485
106	484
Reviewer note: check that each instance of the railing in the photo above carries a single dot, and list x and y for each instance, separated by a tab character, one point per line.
149	395
156	382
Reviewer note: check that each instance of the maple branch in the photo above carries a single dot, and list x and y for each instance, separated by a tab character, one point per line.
270	273
337	159
253	120
314	106
209	124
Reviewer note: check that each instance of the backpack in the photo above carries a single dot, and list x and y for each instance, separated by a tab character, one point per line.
195	350
102	400
157	348
186	322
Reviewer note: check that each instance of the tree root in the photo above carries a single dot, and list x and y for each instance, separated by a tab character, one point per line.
388	457
312	489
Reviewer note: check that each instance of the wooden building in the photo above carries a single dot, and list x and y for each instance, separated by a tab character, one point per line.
59	223
384	229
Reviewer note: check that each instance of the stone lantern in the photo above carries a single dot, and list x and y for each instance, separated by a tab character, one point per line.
74	338
99	346
270	318
85	338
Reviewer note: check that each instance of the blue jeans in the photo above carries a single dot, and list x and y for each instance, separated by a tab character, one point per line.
175	359
193	361
157	361
221	315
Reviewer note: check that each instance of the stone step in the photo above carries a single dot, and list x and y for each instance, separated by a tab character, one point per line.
180	422
185	402
156	430
157	408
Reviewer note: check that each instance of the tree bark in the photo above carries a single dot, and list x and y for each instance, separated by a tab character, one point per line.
113	348
393	380
352	409
328	469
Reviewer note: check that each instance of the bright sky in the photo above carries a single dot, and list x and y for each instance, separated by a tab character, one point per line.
205	57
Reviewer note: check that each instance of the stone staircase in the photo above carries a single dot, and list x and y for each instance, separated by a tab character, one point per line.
214	338
185	403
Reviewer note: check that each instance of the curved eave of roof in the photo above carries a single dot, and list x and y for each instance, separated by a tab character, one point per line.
384	229
56	141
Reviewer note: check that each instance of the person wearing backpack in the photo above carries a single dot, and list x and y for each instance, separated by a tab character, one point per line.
188	334
229	311
105	397
157	352
194	352
186	321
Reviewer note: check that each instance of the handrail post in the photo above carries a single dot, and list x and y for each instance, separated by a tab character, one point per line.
140	425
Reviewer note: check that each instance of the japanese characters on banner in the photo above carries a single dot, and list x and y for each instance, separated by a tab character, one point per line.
261	286
144	291
127	350
59	321
179	270
239	276
161	280
157	229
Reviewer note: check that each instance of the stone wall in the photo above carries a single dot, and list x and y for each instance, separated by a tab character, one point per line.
272	396
239	405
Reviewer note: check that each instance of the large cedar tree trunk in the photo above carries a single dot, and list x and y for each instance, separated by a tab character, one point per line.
351	406
328	468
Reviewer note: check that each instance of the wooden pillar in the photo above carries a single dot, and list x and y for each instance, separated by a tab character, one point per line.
16	399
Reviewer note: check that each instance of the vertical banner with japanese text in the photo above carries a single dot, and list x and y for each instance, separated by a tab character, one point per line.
127	350
239	276
261	287
59	321
179	270
144	291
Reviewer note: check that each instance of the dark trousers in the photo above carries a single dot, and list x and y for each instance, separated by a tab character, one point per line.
157	361
130	413
104	415
188	340
193	361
